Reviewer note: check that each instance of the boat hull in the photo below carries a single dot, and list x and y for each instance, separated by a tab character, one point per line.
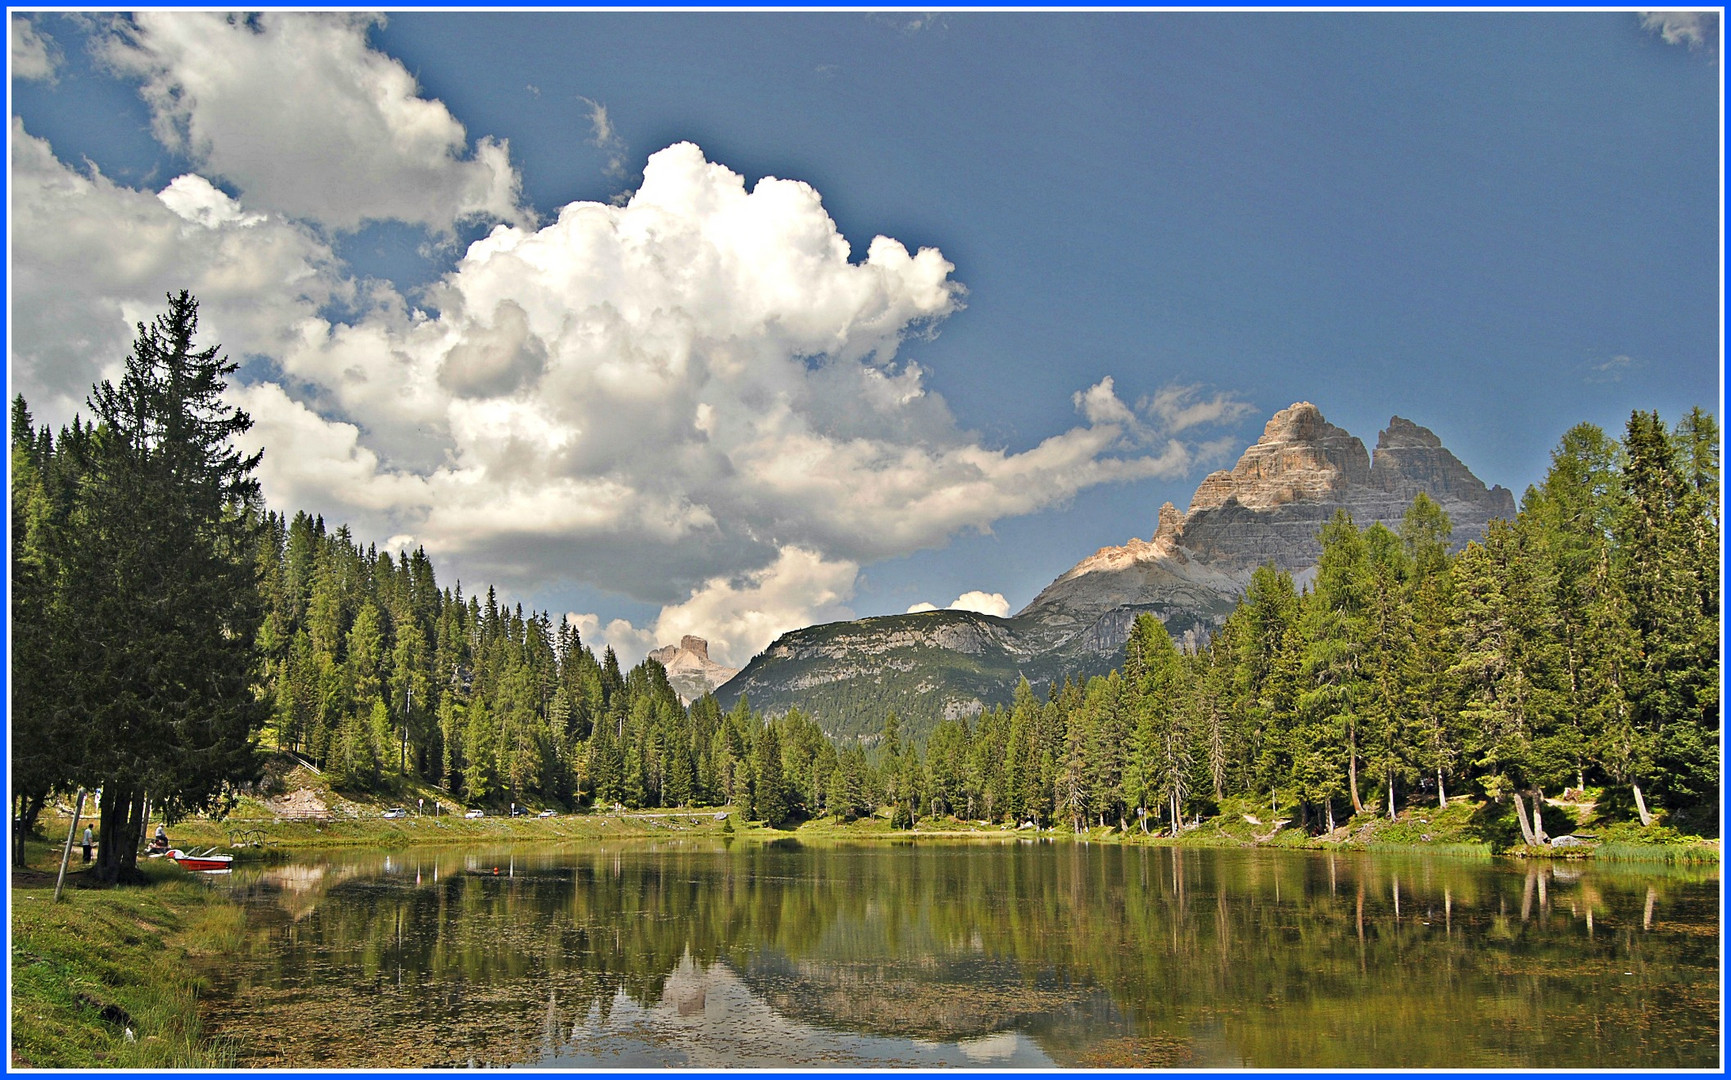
202	862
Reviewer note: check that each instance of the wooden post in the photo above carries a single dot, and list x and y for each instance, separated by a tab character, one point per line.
77	812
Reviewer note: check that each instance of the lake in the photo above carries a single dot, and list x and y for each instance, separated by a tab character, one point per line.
987	955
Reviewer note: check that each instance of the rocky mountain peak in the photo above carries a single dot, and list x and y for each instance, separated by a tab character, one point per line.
1170	520
1403	433
1269	508
690	671
1301	457
1410	459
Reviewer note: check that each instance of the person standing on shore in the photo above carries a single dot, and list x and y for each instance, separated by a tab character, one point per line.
89	842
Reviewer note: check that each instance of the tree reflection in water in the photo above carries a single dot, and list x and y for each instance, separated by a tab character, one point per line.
1019	954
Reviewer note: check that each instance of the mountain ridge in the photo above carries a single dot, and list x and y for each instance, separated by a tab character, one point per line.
1269	508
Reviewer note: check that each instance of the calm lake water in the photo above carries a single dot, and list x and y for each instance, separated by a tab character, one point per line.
972	955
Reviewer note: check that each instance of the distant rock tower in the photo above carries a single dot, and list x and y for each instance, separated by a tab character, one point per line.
690	671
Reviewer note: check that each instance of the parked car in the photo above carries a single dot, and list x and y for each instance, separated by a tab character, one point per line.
395	812
476	813
548	813
519	811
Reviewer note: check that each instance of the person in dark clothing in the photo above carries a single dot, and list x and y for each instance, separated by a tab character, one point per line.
89	842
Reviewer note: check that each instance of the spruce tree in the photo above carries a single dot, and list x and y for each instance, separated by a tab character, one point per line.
40	736
162	588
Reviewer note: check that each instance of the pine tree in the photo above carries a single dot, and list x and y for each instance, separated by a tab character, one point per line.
1336	638
162	588
1668	540
769	787
40	734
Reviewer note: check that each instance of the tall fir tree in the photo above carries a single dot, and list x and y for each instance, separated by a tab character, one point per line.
162	586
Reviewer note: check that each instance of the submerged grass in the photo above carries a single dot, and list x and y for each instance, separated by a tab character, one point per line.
101	980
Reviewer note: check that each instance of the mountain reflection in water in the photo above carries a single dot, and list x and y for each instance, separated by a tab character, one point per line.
990	955
708	1018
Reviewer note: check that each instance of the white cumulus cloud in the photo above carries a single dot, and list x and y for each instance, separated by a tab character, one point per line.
697	398
983	602
740	616
683	386
305	119
974	600
92	258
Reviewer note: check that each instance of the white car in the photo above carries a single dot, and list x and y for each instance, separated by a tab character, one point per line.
395	812
476	813
547	813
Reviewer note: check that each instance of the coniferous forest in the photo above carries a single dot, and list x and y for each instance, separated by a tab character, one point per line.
167	628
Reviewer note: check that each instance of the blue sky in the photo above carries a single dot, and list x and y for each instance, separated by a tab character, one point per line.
1494	224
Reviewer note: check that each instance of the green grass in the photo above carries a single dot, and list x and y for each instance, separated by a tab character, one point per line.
1467	851
102	961
1697	853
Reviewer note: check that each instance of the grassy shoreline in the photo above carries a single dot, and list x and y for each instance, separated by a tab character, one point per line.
1465	828
103	962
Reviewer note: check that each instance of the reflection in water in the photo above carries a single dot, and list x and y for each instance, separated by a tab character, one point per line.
1002	955
708	1018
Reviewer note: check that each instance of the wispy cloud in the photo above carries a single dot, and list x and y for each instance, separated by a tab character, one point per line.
912	22
1180	408
1611	370
606	137
1693	29
34	54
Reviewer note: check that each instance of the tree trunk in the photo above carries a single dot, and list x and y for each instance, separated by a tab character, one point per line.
1521	816
1442	799
18	833
1391	796
1641	806
1352	779
122	827
30	809
1329	804
1538	818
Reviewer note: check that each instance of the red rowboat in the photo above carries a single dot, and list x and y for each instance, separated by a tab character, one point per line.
207	861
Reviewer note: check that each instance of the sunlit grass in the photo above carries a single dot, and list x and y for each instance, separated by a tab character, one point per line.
103	962
1703	854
